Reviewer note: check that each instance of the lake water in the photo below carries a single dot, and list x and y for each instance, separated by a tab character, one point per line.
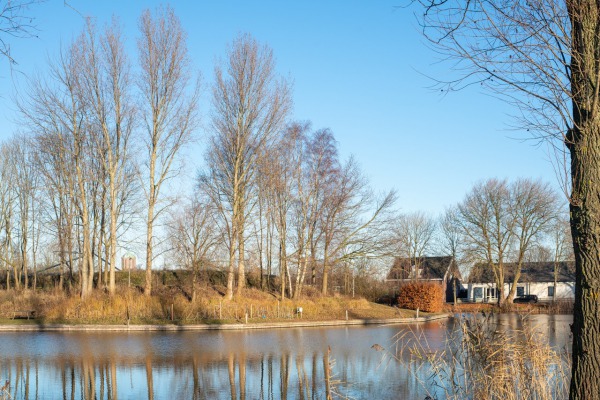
298	363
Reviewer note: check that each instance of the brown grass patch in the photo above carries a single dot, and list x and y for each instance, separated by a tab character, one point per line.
172	305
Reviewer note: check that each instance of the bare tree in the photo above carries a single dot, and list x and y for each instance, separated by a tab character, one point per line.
106	82
562	246
322	163
24	184
354	221
501	221
250	105
57	108
415	234
15	22
487	227
542	56
169	108
7	202
533	207
58	180
450	241
450	234
193	236
279	168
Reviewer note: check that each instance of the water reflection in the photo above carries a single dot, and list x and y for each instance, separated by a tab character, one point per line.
276	364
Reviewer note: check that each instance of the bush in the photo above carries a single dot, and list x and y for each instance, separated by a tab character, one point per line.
426	296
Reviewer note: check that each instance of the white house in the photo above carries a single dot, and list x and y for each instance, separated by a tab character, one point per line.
536	278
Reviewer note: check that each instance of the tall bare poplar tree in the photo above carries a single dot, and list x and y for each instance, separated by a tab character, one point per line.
107	85
249	106
57	109
169	107
542	57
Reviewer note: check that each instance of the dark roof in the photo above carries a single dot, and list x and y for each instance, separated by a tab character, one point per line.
530	272
433	268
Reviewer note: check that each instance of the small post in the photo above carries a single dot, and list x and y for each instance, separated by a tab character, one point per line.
246	317
172	318
346	315
417	313
220	309
250	311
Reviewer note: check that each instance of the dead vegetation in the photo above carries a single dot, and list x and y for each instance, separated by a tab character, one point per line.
483	360
172	303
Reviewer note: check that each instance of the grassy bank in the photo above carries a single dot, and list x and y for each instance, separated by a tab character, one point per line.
129	305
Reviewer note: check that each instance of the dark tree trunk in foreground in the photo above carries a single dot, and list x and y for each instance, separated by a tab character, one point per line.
584	146
543	57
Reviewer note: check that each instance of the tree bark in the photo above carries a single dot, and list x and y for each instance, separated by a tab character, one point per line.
583	141
585	228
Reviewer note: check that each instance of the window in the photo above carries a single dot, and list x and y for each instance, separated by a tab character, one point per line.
520	291
550	291
477	293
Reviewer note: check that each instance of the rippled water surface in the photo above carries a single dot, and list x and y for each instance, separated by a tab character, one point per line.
298	363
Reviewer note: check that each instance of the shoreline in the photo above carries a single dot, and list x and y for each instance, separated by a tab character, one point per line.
41	327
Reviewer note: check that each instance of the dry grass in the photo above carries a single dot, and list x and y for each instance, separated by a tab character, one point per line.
170	305
482	361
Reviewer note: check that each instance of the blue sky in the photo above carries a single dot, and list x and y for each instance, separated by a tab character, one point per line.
358	68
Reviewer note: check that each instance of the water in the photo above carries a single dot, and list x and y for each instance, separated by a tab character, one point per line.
299	363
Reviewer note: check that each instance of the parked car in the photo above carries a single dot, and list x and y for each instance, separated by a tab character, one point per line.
528	298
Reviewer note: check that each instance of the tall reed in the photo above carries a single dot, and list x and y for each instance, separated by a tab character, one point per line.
480	359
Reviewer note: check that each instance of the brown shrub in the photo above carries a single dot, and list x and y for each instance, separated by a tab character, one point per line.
426	296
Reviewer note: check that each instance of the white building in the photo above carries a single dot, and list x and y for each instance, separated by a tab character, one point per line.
536	278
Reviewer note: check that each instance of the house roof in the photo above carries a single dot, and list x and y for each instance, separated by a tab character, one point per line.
530	272
432	268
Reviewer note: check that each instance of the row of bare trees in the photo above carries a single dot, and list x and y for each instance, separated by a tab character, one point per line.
102	135
98	131
498	222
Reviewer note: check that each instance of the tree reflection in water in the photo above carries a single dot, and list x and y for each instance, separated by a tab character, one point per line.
292	364
108	379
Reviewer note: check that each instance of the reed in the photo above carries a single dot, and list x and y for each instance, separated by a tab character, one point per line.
485	361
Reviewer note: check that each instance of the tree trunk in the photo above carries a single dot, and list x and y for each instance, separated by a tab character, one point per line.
583	142
113	237
585	229
555	280
230	270
149	227
325	270
282	271
241	264
149	255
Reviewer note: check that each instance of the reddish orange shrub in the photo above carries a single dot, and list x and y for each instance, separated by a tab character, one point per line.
426	296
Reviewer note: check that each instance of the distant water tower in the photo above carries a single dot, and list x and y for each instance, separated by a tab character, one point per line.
128	262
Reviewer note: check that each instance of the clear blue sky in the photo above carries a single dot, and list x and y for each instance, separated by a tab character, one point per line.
358	68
